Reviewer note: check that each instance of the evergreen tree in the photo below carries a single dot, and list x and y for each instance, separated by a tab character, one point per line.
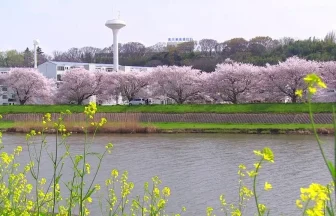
28	57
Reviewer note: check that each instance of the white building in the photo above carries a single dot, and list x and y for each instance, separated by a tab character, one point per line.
7	95
179	40
325	95
55	70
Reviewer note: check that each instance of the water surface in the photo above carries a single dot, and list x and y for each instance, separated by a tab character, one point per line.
200	167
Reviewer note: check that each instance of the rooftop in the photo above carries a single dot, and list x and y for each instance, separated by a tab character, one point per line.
4	69
84	64
80	64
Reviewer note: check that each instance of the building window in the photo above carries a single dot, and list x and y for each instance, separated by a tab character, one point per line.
4	89
59	77
4	103
60	68
4	97
109	69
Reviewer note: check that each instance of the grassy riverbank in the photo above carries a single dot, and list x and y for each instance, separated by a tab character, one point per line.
185	108
174	127
181	127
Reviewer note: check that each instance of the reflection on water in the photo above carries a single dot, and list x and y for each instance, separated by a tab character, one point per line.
200	167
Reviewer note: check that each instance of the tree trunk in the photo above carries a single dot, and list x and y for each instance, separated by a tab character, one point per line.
234	99
294	99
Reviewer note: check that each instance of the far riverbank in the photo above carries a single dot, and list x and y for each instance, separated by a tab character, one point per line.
170	127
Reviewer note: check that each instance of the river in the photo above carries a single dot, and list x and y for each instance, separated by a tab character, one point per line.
200	167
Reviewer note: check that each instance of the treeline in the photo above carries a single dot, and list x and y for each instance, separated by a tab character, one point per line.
204	54
231	81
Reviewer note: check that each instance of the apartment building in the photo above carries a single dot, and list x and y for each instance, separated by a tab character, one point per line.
7	95
54	69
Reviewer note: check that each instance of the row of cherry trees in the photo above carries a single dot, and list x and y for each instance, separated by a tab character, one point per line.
231	81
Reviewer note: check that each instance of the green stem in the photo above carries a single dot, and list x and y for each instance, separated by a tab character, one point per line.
240	186
330	200
317	137
38	160
81	212
305	208
334	179
254	186
54	180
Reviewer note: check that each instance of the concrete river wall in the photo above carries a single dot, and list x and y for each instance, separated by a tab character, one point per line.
320	118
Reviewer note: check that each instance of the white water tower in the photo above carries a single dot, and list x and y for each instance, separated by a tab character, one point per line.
115	25
36	43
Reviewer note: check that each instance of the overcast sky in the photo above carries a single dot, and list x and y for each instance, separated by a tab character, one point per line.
62	24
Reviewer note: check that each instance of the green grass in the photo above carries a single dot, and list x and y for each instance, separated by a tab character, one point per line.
187	108
6	124
183	125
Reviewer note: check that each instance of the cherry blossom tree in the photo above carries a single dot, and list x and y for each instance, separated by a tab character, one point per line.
286	77
29	85
128	84
328	72
177	83
80	84
233	81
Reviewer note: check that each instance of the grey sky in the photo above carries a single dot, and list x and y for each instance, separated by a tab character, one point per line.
62	24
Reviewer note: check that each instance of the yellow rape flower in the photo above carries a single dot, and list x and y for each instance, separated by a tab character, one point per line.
87	168
317	195
156	191
267	186
252	173
30	205
48	117
166	191
209	211
257	165
299	204
236	212
262	208
114	173
268	154
43	181
299	92
102	122
314	81
97	187
161	204
312	90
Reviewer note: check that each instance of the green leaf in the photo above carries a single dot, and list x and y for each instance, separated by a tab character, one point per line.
329	211
58	178
89	193
332	169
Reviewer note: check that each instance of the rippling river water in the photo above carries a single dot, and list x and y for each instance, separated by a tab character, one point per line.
200	167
